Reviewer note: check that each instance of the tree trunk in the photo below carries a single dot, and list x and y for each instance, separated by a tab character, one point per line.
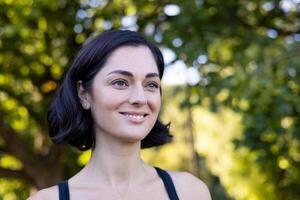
195	159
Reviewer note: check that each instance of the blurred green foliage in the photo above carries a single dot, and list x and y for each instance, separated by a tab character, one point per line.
245	107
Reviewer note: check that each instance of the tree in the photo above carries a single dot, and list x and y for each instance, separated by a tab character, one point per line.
251	49
245	52
36	49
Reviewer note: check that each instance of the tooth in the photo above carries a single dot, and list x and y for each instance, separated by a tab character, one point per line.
135	116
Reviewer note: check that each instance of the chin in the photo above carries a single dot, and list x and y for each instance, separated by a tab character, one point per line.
133	137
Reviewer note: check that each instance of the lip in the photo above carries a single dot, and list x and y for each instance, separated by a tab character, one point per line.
135	117
133	113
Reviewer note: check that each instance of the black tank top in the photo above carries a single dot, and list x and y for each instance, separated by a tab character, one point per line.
166	178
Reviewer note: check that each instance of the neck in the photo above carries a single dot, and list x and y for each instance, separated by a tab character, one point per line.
114	165
115	162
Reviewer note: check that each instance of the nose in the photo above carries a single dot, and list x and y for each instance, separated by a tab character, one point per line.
137	96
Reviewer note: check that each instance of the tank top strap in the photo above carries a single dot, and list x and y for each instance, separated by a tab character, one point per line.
64	193
63	189
169	185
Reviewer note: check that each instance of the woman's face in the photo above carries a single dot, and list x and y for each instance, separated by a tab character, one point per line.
125	98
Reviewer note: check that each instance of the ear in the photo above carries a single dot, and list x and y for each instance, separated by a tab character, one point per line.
83	96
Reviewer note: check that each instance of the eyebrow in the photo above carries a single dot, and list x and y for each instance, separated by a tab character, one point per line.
126	73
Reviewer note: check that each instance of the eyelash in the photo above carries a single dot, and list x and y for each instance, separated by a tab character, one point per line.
151	85
116	82
155	85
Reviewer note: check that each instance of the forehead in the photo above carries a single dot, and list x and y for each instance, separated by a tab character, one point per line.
135	59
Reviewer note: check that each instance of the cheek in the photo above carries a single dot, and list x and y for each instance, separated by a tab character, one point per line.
107	98
154	103
105	107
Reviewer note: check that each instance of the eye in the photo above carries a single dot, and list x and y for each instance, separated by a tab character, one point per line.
120	84
152	85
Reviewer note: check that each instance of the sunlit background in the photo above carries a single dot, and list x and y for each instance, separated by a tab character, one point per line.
230	89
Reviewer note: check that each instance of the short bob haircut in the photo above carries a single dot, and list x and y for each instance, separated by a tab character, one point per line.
68	122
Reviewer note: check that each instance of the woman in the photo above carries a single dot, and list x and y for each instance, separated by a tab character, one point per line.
110	101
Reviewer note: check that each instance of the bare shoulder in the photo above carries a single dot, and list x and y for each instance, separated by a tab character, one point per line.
189	186
50	193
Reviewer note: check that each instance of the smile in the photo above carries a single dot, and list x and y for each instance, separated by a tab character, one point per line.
134	117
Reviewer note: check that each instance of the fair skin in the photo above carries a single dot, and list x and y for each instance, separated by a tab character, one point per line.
124	102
